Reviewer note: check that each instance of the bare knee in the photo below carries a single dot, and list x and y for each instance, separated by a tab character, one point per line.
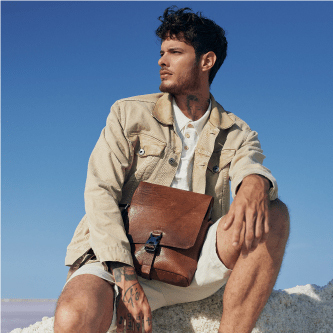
85	305
67	318
279	220
80	315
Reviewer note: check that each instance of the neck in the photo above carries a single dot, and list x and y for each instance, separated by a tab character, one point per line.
193	105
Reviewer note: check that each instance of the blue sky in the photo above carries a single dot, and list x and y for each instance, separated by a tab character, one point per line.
65	63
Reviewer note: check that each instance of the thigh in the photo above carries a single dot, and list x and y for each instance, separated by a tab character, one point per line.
86	300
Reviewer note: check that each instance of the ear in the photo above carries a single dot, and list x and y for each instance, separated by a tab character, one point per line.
208	61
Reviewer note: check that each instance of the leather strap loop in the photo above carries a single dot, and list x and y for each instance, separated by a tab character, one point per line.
147	265
149	257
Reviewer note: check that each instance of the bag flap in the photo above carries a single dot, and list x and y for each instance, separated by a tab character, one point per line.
178	214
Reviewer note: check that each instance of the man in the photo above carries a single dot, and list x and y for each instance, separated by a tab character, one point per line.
181	138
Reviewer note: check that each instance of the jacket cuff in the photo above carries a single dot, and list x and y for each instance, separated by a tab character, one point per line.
114	253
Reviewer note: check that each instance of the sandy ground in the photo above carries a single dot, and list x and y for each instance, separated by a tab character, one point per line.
302	309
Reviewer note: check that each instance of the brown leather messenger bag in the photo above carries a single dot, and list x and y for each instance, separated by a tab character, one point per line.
166	228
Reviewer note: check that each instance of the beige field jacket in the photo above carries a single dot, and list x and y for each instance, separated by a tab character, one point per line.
139	143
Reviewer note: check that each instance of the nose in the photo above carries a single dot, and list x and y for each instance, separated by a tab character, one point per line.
162	62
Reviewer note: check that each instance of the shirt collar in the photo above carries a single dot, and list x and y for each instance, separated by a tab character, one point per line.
218	117
181	120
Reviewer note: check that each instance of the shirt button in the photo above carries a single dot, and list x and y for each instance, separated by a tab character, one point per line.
187	135
186	148
172	161
190	126
216	168
141	151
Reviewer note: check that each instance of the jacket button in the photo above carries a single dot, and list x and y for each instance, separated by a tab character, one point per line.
172	161
216	168
141	151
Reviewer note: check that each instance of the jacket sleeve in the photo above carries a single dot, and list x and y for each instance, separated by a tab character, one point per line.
247	161
108	164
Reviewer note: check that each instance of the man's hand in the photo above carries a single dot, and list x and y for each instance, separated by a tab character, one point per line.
250	209
133	310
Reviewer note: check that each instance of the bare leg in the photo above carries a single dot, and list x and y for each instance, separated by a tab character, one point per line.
85	306
253	277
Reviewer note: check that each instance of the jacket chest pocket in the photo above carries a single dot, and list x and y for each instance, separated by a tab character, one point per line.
220	160
148	153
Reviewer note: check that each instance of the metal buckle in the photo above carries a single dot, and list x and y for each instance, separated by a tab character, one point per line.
152	242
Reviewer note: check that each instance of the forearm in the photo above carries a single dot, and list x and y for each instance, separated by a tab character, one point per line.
256	182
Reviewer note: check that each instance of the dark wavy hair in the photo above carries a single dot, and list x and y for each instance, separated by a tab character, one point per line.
196	30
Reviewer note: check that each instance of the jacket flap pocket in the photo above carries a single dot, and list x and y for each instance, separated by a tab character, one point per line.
220	160
150	146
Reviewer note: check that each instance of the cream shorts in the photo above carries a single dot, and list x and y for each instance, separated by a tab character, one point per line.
210	276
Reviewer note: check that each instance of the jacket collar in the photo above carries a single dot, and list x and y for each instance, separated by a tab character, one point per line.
218	117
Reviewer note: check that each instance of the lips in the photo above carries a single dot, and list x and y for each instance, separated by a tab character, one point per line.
164	74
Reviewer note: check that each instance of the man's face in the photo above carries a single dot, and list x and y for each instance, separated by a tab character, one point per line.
179	69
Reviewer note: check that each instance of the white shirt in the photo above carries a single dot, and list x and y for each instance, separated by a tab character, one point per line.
189	132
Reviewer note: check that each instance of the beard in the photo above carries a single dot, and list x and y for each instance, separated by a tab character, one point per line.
187	82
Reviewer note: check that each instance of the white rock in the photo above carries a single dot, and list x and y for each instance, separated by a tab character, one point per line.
302	309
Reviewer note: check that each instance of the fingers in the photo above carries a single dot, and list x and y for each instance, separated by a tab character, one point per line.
248	215
266	228
133	312
135	324
121	316
129	323
148	323
228	221
237	226
250	228
138	324
255	225
120	324
259	227
258	232
144	318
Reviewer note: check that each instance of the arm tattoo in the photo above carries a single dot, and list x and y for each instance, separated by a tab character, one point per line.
120	269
